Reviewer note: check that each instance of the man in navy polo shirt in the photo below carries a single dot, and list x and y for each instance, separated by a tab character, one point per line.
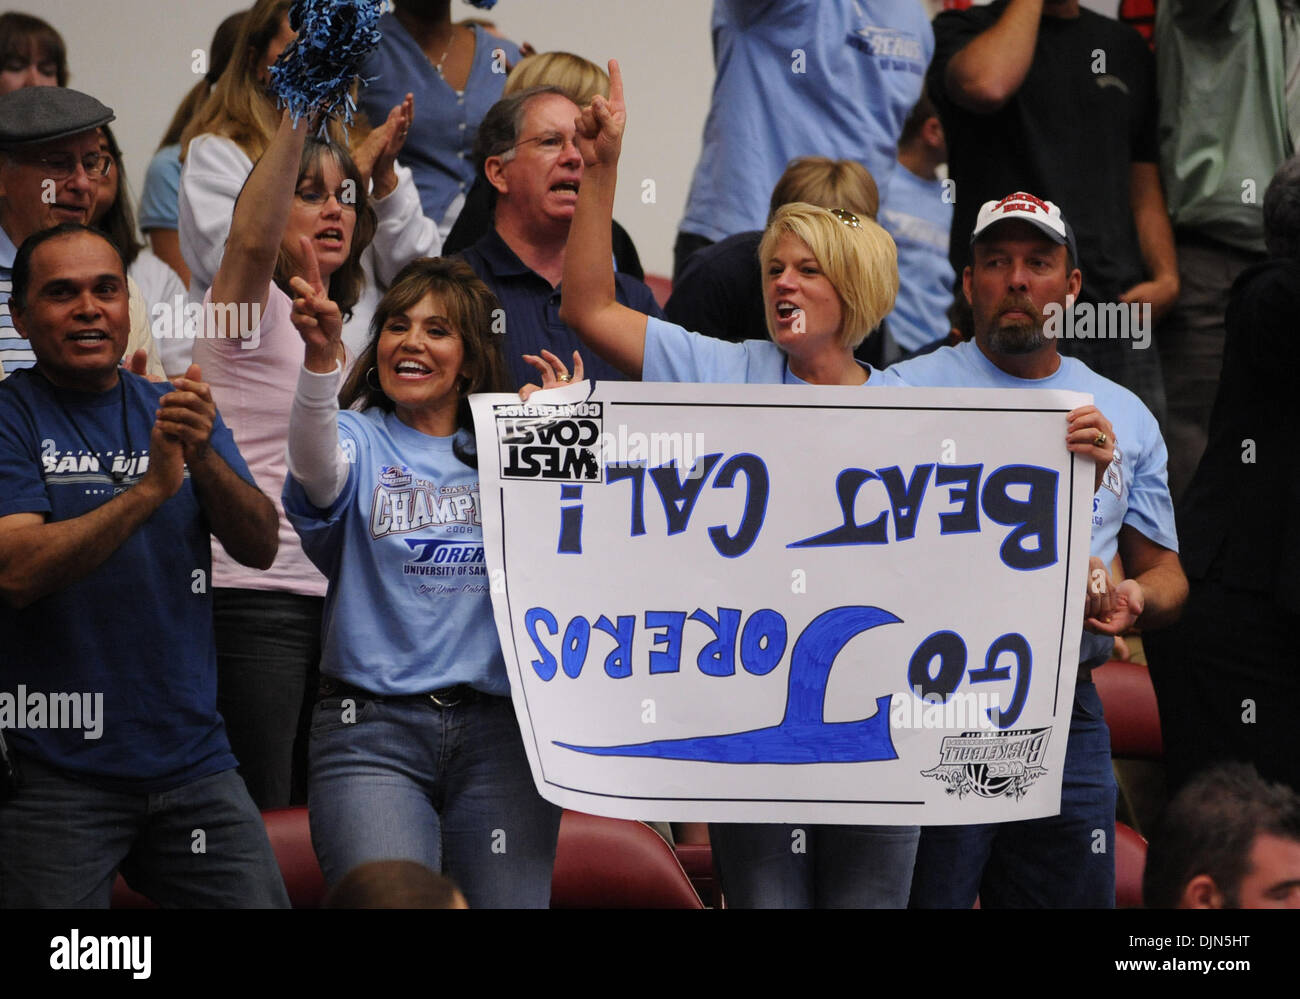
110	486
527	153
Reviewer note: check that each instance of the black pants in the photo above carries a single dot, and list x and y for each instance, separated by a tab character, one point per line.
1227	678
268	656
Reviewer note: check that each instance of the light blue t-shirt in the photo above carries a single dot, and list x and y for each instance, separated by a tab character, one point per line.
1134	492
408	608
915	213
162	187
802	78
673	354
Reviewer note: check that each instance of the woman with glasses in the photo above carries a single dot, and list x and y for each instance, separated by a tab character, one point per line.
828	279
267	624
234	127
304	211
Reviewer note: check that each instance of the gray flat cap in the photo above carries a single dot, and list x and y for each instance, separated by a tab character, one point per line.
39	114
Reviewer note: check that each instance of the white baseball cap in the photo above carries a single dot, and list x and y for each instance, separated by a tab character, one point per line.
1042	215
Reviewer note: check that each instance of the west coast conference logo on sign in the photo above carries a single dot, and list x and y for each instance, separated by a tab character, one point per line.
560	443
991	764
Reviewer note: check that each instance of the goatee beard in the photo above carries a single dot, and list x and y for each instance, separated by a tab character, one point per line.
1023	336
1018	338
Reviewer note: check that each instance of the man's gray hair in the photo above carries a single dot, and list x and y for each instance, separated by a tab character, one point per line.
498	134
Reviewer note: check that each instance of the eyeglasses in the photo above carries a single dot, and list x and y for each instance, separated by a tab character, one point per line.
551	143
61	166
847	217
315	198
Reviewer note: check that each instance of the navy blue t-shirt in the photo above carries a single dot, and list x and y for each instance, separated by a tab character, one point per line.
133	635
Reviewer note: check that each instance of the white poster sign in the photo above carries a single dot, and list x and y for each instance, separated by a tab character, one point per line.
781	603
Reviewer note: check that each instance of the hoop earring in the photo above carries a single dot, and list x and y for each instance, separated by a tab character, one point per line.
373	386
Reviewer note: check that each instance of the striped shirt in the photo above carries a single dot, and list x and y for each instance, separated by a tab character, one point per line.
15	351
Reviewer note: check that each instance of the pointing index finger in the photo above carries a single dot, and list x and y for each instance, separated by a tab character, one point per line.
615	85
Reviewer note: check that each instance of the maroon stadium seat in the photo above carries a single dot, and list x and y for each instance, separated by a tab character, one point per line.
1129	702
661	286
605	863
1130	862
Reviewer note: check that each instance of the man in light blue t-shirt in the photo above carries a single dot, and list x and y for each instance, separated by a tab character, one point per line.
795	78
1023	261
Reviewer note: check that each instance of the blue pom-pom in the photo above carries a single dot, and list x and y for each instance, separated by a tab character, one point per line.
315	72
483	4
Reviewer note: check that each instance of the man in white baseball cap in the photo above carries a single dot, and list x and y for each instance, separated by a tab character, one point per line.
1042	215
1023	261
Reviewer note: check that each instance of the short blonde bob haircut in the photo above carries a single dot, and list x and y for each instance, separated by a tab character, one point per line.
860	261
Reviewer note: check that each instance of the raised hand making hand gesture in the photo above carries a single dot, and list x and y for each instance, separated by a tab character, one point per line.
601	123
316	318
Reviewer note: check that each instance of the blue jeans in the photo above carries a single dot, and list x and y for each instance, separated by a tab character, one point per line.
769	866
268	655
1062	861
450	788
202	845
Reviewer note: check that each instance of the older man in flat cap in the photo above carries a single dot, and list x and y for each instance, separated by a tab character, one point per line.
50	170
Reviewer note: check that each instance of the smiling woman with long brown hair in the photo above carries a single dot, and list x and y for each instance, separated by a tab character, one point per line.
415	750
